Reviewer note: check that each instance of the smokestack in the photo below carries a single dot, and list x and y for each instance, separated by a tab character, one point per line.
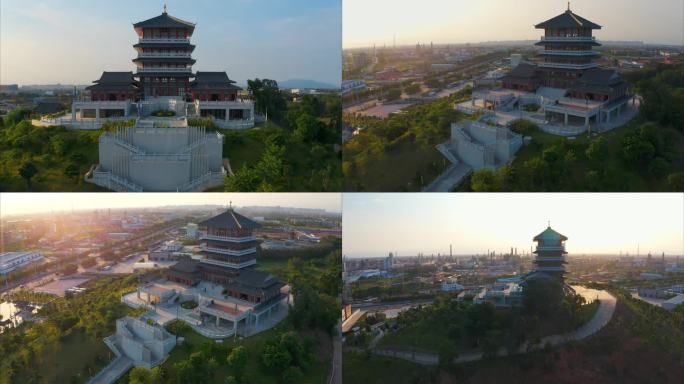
450	253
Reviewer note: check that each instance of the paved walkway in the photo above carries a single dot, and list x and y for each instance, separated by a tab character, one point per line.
450	179
112	372
602	316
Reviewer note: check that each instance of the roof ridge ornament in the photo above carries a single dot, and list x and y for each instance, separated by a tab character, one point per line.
569	7
165	8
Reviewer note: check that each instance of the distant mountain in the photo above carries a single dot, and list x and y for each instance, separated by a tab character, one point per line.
303	83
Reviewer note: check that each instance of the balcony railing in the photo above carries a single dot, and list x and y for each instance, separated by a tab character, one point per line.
568	38
165	54
568	65
228	252
204	235
163	40
569	53
244	264
164	70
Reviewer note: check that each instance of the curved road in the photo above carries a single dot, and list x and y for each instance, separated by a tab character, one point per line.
602	316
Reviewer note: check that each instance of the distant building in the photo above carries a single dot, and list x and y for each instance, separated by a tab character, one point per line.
651	276
674	302
9	88
451	285
49	107
549	263
350	86
10	261
442	67
191	231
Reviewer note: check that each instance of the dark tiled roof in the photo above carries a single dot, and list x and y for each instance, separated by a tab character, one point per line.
256	279
185	265
567	19
164	21
255	282
598	80
600	76
184	60
231	220
49	107
523	70
549	233
213	80
116	77
119	81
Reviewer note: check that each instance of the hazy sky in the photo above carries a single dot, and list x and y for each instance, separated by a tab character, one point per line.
13	203
461	21
374	224
73	41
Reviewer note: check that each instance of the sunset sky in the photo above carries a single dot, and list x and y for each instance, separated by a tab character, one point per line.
14	203
375	224
73	41
470	21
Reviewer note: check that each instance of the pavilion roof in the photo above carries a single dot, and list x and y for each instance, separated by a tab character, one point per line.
114	81
165	21
549	234
230	220
567	19
213	80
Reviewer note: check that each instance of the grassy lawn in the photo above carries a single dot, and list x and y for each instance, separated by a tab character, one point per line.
317	373
245	147
76	353
425	336
397	170
373	369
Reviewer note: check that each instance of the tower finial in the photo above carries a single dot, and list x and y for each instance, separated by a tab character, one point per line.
568	6
165	7
231	204
549	222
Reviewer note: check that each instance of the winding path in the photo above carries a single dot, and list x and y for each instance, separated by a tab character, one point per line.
602	316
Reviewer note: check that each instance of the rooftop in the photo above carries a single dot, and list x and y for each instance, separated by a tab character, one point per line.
165	21
549	234
230	220
213	80
567	19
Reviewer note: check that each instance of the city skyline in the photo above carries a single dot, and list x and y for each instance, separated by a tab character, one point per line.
72	42
35	203
375	224
467	21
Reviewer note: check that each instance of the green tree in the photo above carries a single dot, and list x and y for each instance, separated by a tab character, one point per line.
293	375
597	150
393	93
675	182
27	171
237	361
267	97
141	375
72	171
637	150
483	180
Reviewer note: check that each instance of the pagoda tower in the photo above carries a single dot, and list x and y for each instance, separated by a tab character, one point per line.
568	43
164	56
228	245
550	253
